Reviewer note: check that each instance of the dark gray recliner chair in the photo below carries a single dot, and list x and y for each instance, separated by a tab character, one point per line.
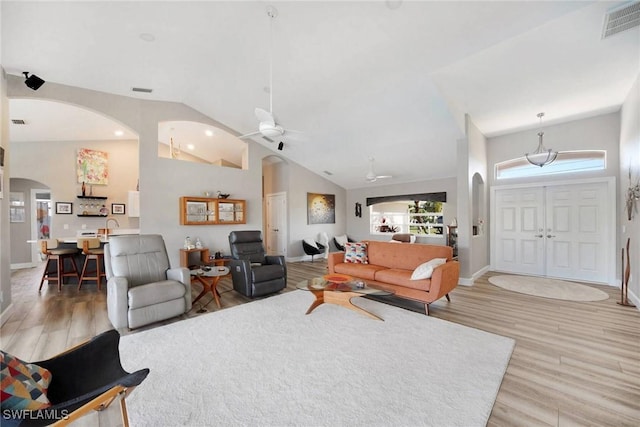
253	273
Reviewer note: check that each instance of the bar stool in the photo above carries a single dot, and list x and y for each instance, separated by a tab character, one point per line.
91	249
49	247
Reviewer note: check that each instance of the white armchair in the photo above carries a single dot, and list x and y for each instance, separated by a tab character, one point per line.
141	286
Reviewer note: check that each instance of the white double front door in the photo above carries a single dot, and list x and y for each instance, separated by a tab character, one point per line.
561	231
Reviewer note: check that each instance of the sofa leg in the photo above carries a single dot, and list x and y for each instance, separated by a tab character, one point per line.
448	299
426	309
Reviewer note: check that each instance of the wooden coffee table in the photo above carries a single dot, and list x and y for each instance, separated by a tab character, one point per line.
340	293
209	280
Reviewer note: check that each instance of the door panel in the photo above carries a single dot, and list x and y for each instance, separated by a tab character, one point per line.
519	217
576	232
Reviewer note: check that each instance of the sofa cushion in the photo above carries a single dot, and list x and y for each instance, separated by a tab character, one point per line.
24	385
400	277
406	257
425	270
363	271
356	253
154	293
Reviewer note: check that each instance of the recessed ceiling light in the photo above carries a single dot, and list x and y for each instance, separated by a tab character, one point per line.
118	133
208	132
147	37
191	146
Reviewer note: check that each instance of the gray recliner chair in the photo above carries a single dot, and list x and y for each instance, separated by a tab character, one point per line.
253	273
141	286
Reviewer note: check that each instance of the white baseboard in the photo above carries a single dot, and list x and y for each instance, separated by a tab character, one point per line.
465	281
6	314
18	266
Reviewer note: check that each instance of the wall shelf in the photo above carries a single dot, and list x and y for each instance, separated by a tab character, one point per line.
92	215
93	197
211	211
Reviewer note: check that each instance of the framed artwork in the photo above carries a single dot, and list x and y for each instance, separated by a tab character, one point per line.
92	167
117	208
321	208
64	208
1	182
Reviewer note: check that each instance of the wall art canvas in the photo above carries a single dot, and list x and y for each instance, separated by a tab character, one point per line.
92	167
321	208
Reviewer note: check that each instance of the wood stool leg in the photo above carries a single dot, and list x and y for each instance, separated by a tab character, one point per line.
60	272
84	270
45	274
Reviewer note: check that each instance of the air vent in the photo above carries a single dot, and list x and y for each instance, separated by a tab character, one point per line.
622	19
266	138
18	122
141	89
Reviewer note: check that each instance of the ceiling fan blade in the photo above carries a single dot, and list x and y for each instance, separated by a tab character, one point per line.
265	116
247	135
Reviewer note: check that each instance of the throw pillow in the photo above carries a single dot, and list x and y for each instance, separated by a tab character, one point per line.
424	271
24	385
356	253
311	242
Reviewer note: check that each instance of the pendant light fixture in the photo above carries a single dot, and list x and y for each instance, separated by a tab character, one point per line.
541	157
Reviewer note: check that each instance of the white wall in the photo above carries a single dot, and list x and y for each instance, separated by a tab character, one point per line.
164	181
301	182
479	256
358	228
630	157
5	256
595	133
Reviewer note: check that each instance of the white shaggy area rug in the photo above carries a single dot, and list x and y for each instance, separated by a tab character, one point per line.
266	363
548	288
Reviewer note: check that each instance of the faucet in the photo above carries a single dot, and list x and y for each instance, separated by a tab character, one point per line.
106	225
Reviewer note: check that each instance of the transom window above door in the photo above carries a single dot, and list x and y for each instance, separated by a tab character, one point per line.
566	162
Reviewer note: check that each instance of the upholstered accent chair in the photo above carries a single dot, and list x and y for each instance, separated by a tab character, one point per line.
253	272
141	286
339	241
313	248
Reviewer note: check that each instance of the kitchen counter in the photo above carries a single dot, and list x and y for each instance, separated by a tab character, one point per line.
94	233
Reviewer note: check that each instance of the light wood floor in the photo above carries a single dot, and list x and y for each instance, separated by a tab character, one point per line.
574	364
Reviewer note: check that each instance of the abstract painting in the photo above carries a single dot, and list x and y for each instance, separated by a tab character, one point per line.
321	208
92	167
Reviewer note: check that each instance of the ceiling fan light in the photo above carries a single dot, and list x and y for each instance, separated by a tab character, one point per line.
270	131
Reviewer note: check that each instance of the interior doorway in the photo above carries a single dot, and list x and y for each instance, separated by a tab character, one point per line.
564	230
40	220
276	226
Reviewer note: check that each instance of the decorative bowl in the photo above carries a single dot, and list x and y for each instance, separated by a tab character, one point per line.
336	278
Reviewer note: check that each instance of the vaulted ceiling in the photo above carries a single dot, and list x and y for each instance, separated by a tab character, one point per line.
386	79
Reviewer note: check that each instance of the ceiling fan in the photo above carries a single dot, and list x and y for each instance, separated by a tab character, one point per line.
267	126
371	175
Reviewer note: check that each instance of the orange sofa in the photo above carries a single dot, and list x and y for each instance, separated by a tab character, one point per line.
391	265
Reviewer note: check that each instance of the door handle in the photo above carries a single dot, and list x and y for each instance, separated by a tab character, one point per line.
539	235
550	235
